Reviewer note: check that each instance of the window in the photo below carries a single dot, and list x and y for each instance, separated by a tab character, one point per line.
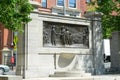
60	2
73	15
44	3
60	13
72	3
88	1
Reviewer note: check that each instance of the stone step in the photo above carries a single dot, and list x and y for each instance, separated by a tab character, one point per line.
10	77
62	78
69	71
70	74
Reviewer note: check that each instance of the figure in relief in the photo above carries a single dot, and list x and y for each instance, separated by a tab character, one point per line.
45	37
68	37
62	35
85	37
53	35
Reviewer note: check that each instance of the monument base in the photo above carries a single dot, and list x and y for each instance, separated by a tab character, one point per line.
8	77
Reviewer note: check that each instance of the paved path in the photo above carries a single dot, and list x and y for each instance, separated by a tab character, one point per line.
100	77
11	72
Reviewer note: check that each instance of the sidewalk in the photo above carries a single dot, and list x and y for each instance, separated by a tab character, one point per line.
98	77
61	78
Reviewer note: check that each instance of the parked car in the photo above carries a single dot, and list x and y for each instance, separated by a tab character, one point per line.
3	69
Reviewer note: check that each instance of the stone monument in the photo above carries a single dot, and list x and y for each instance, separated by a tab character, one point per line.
53	43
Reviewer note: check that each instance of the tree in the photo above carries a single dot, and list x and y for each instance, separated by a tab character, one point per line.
15	13
111	17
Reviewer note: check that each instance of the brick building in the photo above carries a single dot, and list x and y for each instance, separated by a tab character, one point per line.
5	40
75	8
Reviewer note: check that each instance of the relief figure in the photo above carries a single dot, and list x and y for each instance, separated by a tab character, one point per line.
85	37
68	37
45	38
53	35
62	35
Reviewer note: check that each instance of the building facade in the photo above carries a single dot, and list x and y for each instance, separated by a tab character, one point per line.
75	8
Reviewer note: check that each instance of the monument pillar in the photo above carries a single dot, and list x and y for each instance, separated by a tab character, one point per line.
97	42
23	38
115	51
20	54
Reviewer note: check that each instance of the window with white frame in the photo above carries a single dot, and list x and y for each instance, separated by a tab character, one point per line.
44	3
60	2
72	3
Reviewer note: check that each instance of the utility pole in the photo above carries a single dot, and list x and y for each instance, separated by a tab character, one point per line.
64	8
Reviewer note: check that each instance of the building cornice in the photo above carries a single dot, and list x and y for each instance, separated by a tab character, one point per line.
35	4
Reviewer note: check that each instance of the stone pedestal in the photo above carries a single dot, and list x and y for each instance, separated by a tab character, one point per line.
10	77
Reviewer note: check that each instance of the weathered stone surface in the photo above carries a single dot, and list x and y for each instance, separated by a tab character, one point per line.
9	77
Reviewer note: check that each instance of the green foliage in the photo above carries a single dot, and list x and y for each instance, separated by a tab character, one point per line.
15	13
110	22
